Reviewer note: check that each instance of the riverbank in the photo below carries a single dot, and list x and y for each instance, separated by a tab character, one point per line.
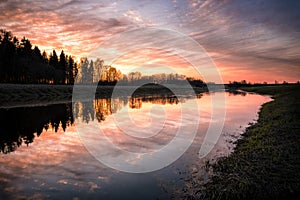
18	95
266	161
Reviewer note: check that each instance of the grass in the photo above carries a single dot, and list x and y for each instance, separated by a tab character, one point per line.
17	95
266	161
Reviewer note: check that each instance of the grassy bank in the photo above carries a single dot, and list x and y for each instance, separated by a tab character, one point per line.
18	95
266	161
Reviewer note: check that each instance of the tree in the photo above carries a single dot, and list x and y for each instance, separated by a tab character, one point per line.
70	71
37	54
25	47
98	70
53	61
7	53
244	82
75	71
112	74
45	57
62	66
133	76
84	64
285	83
19	63
90	71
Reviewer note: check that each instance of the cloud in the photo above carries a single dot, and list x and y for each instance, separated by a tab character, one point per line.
75	26
259	34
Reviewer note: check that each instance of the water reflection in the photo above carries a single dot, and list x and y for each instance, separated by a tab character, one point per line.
154	99
58	166
106	107
21	125
237	92
101	108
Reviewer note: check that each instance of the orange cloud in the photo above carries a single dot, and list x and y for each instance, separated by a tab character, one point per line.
243	39
154	61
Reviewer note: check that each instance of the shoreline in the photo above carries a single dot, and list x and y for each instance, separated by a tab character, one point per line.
265	163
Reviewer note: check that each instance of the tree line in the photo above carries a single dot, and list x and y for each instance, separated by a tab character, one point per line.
93	71
244	83
21	63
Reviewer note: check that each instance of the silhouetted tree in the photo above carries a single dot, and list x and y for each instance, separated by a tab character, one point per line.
20	63
62	66
53	60
70	71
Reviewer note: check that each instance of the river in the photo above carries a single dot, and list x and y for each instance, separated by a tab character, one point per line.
44	157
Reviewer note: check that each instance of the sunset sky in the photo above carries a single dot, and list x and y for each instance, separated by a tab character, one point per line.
257	40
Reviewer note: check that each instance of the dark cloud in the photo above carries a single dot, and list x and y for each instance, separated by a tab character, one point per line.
277	15
258	33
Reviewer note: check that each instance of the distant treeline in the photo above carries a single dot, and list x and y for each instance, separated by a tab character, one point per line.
244	83
20	63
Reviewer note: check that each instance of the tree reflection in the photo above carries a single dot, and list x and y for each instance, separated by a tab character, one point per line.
20	125
237	92
101	108
108	106
136	102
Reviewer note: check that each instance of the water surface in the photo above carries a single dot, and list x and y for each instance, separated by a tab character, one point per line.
42	155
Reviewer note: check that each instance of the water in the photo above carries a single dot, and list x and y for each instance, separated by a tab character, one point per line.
43	156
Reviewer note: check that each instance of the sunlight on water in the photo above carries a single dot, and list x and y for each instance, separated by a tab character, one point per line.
56	164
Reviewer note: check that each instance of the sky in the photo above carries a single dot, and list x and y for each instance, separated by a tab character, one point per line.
257	40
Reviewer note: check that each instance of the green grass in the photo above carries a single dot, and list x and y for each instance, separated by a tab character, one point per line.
266	161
